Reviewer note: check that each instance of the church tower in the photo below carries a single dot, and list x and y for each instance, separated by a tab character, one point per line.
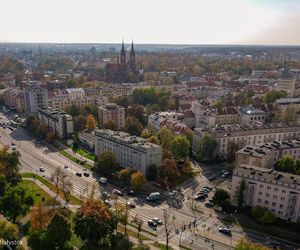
123	54
132	56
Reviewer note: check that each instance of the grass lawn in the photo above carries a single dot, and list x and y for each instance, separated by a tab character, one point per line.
86	154
132	233
72	199
74	159
161	246
38	194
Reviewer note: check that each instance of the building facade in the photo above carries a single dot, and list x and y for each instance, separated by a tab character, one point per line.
14	98
277	191
247	134
252	115
35	98
266	155
131	151
58	122
111	112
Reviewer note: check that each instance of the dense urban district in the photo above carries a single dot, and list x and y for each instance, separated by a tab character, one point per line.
127	147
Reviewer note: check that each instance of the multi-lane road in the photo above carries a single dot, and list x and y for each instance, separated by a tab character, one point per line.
205	235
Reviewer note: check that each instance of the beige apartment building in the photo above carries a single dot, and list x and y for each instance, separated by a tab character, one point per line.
291	86
247	134
266	155
131	151
14	98
111	112
58	122
277	191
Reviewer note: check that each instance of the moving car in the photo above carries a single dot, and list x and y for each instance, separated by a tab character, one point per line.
225	230
66	166
86	174
131	193
42	169
79	174
13	147
103	180
151	223
130	204
157	221
153	196
118	192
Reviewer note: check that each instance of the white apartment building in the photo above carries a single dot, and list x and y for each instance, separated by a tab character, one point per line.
247	134
252	115
131	151
111	112
277	191
266	155
58	122
35	97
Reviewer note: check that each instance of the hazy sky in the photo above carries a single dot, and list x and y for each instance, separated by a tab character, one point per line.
151	21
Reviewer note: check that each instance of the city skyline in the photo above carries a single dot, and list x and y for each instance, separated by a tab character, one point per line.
242	22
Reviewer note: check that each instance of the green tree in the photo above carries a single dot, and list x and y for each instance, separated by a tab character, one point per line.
165	137
59	233
137	111
262	214
153	139
120	241
8	230
94	224
124	176
138	181
169	172
9	165
74	110
3	184
222	198
240	194
110	125
232	149
152	172
286	164
133	126
146	134
206	148
107	163
79	123
180	147
75	145
273	95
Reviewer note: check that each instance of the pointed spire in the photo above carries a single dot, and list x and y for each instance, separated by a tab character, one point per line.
132	45
123	45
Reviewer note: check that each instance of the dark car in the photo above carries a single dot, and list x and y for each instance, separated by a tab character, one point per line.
86	174
211	178
199	197
209	204
225	230
118	192
79	174
202	193
151	223
131	193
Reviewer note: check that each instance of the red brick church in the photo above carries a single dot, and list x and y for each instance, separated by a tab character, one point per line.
123	71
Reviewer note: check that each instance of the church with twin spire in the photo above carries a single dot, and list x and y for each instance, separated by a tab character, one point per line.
123	70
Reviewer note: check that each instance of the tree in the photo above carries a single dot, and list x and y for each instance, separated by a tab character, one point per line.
139	223
262	214
138	181
8	230
137	111
286	164
152	172
221	198
244	244
206	148
94	224
37	239
50	136
15	202
120	241
133	126
153	139
79	123
107	163
290	114
40	217
74	110
187	169
146	134
273	95
169	171
61	182
240	194
121	213
75	145
90	122
232	148
124	176
166	221
180	147
165	137
110	125
58	233
9	165
3	184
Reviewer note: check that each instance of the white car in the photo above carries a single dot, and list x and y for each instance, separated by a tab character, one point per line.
157	220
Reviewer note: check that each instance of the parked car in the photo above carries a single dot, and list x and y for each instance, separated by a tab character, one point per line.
202	193
151	223
199	197
108	203
209	188
105	194
173	193
209	204
42	169
130	204
131	193
118	192
79	174
225	230
157	221
86	174
225	174
103	180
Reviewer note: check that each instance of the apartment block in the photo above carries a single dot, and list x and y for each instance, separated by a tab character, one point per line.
58	122
111	112
252	115
266	155
247	134
14	98
277	191
36	97
131	151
